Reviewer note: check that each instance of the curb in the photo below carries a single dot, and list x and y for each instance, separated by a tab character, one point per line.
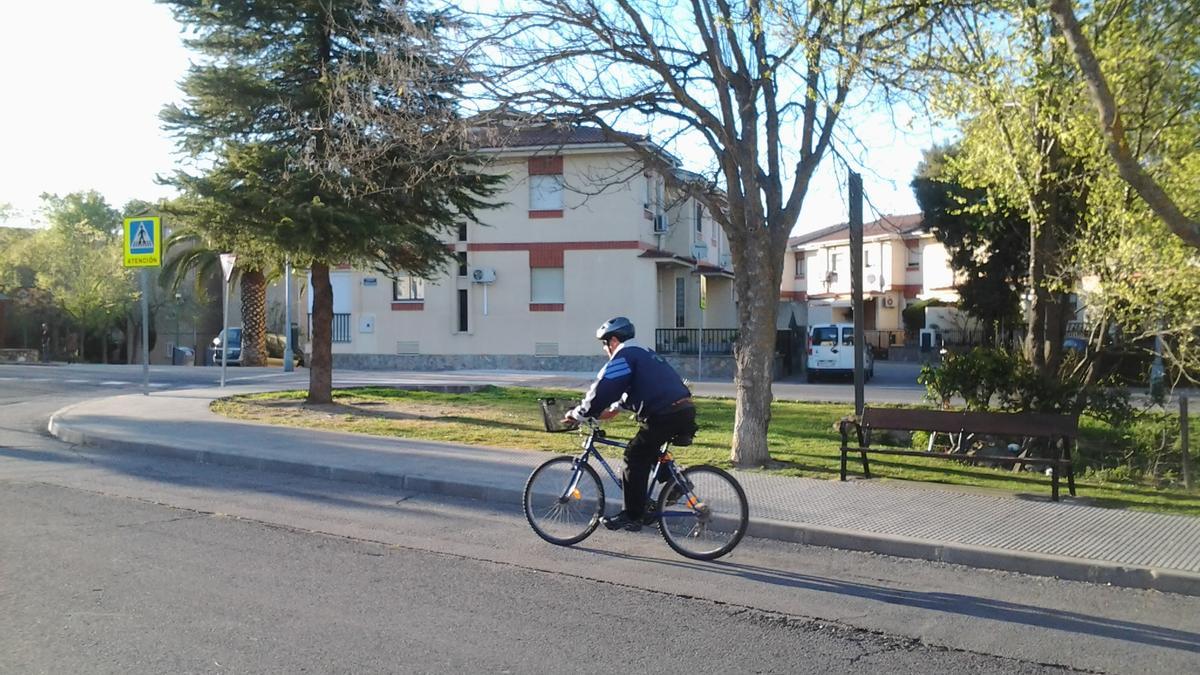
1024	562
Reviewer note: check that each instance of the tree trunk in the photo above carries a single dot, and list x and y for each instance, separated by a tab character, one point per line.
757	285
320	371
1035	332
254	318
130	339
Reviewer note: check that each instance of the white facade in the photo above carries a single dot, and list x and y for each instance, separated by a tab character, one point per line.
583	234
902	263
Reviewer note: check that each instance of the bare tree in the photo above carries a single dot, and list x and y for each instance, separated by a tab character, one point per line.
1187	229
760	85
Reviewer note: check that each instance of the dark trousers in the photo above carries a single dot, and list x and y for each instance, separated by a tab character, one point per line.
642	453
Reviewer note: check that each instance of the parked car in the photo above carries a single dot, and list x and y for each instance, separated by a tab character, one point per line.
233	357
831	352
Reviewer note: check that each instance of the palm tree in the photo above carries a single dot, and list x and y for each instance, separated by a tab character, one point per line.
192	251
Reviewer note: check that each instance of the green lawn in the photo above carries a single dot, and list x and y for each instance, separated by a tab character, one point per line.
802	437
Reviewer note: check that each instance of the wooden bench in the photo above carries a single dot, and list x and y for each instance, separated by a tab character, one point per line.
1060	429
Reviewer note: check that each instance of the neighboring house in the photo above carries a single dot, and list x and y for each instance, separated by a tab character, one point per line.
585	232
902	263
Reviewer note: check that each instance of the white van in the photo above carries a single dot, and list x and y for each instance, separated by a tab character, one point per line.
831	352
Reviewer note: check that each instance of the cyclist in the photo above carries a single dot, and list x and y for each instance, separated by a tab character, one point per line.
635	378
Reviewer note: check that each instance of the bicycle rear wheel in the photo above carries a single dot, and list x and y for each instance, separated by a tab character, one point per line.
563	504
708	518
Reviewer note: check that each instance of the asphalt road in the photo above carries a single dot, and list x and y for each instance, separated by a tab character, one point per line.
111	563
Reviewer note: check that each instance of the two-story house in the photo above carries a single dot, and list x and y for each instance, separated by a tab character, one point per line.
584	232
902	263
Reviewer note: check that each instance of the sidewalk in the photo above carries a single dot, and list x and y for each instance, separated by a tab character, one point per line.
1021	534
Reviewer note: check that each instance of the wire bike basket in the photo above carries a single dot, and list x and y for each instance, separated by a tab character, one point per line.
553	411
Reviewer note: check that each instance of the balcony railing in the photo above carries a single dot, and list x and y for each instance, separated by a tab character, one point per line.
686	340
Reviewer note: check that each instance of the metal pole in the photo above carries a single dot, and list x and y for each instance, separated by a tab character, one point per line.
700	349
145	332
287	317
856	288
1183	442
700	341
224	327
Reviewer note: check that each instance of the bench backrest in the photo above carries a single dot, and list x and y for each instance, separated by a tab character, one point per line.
1032	424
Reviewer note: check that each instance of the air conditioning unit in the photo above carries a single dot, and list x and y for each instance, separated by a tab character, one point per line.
483	275
871	279
889	301
660	223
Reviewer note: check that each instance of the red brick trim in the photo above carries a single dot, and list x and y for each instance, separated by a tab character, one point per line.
563	245
408	306
545	306
546	166
546	256
796	296
548	213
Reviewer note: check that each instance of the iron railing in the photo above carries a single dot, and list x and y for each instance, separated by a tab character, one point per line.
686	340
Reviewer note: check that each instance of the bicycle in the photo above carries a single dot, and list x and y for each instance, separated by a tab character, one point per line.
701	511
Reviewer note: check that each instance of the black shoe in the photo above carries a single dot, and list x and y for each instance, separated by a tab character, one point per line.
622	521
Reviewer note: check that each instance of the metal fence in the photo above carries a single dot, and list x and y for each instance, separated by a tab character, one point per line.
687	340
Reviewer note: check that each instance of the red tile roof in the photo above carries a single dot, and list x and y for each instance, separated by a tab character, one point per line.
901	225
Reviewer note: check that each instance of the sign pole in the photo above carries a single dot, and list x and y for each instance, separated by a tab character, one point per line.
224	327
145	332
228	260
142	245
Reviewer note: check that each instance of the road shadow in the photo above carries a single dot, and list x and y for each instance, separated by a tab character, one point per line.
956	604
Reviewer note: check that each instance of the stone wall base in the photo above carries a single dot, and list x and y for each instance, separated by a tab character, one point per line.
18	356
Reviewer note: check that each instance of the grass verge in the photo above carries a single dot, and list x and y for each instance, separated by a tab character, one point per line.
802	437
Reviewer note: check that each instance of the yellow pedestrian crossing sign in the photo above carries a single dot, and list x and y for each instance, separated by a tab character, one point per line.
143	241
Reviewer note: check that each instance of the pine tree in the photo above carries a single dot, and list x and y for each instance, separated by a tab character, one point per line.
266	108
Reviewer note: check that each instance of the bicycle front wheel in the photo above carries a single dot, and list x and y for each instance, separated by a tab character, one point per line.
704	517
563	501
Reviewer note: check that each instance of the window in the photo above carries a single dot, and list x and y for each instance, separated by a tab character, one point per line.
827	336
461	256
546	285
699	222
848	337
463	310
800	262
867	258
462	231
546	193
680	302
835	262
407	288
914	258
546	187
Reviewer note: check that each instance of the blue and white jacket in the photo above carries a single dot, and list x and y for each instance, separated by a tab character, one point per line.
635	378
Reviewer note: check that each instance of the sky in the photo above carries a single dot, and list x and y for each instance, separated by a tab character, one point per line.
84	81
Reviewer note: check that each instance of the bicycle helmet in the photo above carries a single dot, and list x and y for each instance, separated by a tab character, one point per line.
618	327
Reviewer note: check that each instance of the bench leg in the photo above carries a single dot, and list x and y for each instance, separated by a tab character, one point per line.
843	463
866	466
1054	482
1066	455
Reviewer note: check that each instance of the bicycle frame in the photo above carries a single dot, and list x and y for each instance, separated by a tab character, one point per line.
596	436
